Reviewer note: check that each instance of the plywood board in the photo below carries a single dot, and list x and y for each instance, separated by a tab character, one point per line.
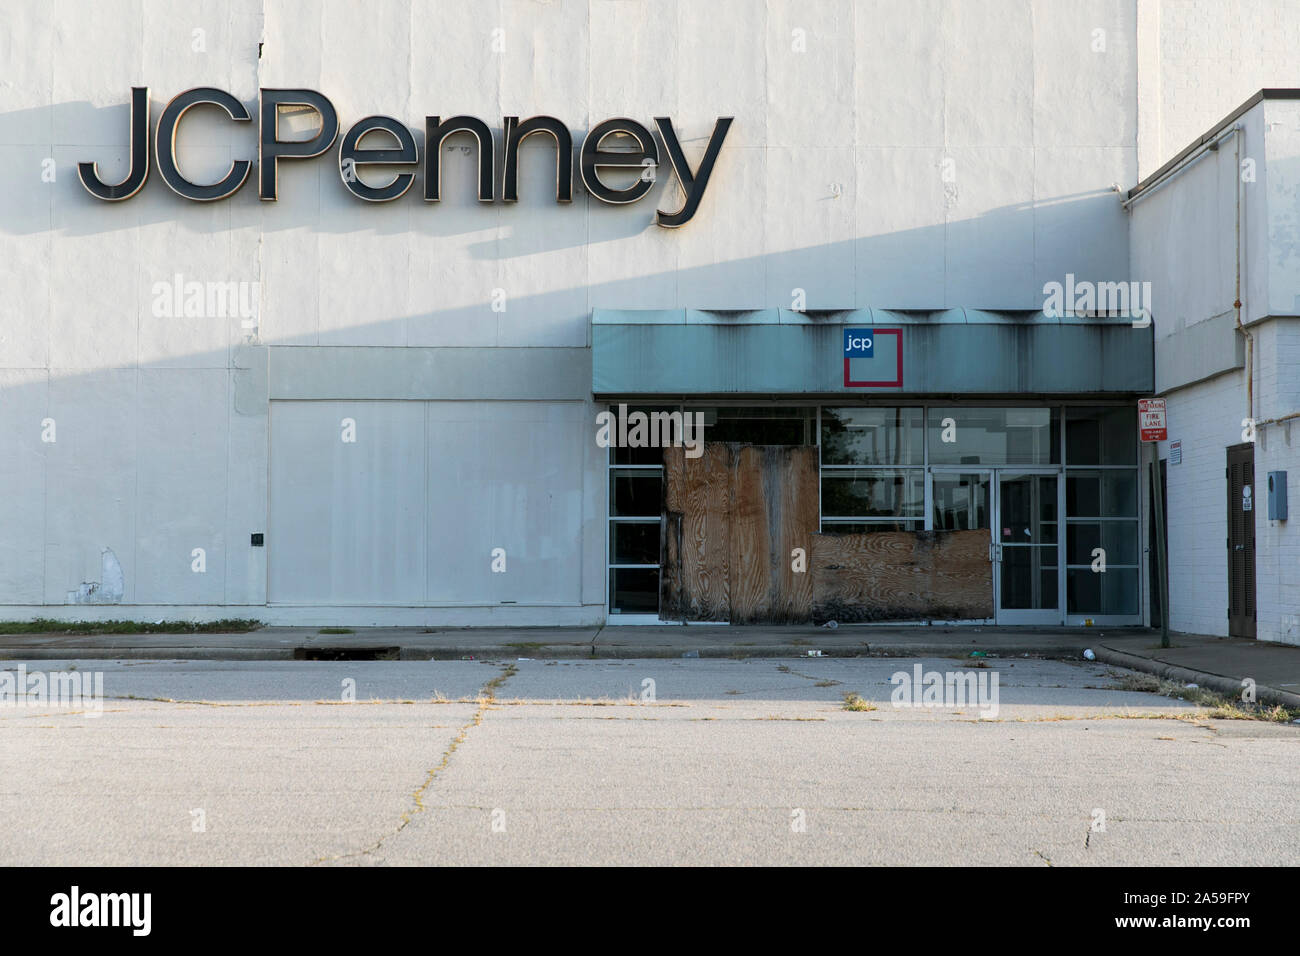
750	546
902	575
799	521
670	536
774	511
731	520
694	535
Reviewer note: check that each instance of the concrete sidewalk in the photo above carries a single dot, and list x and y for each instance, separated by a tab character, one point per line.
1217	663
667	640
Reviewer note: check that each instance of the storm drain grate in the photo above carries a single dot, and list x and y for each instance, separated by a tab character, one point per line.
346	653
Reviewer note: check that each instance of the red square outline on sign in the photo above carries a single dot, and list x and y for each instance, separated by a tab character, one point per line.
898	383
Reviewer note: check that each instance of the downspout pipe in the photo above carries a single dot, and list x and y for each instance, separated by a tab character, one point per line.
1236	304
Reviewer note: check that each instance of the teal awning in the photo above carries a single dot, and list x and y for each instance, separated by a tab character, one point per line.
775	352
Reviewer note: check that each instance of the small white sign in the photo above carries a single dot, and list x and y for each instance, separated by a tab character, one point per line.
1245	497
1175	453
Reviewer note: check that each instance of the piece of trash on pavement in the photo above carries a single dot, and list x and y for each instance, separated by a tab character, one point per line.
812	653
1192	686
1088	655
831	625
691	654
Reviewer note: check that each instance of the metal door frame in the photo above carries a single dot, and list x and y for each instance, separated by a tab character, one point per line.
1250	627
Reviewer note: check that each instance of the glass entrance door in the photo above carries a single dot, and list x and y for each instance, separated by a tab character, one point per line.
1026	547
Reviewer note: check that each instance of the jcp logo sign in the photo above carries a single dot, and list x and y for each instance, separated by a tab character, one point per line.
859	343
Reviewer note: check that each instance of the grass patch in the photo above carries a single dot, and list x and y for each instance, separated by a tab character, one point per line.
1220	706
857	702
336	630
44	625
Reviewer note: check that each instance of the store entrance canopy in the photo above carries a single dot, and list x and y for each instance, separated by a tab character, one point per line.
865	352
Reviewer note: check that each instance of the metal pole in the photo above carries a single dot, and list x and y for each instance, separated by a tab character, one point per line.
1162	565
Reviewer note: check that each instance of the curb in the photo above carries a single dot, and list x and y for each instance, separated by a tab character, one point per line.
1224	685
417	652
961	651
146	653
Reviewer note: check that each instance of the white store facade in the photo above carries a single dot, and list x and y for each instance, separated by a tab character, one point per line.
301	398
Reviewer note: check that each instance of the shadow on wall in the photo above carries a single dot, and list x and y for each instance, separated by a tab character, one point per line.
162	430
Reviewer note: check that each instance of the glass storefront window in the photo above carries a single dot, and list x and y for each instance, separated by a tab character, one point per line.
1115	592
759	425
1101	436
624	455
634	590
873	436
873	478
1119	540
634	542
960	502
873	493
993	436
1095	497
635	492
1101	494
870	527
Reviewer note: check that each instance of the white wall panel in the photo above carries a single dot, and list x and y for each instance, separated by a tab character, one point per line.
182	431
347	518
505	475
22	485
411	512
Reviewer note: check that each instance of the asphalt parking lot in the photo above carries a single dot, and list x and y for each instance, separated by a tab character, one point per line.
635	761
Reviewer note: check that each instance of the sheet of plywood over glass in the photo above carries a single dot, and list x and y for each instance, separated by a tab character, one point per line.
732	520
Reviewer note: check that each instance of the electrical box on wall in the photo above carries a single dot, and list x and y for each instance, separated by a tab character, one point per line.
1277	496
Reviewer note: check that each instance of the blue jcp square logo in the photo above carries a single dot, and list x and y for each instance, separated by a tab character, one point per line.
859	343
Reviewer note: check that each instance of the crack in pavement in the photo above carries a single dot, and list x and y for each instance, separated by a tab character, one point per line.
485	700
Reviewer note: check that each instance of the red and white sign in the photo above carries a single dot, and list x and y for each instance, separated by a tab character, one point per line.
1151	419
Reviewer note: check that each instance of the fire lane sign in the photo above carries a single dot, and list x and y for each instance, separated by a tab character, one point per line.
1151	419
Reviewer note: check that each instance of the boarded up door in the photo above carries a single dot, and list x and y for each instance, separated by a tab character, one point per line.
732	519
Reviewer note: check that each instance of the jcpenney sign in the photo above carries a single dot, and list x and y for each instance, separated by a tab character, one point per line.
403	153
